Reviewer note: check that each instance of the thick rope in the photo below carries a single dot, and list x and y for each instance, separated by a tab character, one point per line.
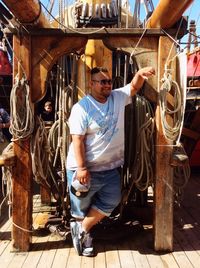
21	110
7	182
139	174
176	112
40	153
142	170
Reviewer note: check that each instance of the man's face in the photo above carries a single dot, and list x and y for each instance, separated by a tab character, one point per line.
101	86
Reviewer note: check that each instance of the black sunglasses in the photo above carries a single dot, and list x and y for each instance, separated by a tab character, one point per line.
104	81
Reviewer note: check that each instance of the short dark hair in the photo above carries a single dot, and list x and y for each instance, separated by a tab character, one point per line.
97	70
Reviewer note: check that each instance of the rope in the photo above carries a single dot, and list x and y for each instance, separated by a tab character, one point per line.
133	52
40	153
7	183
139	174
142	170
181	178
58	137
23	229
177	113
21	110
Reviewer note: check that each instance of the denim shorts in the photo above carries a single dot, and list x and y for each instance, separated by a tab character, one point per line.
104	194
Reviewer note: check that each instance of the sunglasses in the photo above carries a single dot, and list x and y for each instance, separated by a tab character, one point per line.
104	81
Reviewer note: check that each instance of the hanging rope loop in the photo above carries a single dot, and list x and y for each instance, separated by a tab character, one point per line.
169	86
21	109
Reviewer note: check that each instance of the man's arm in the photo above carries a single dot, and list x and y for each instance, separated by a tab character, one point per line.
139	78
83	174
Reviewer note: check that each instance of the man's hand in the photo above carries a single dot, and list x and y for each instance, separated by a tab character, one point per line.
83	176
146	72
139	78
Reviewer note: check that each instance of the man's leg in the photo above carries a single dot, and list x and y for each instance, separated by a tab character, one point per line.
80	231
92	218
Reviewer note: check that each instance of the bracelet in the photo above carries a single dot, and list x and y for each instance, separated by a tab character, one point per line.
81	168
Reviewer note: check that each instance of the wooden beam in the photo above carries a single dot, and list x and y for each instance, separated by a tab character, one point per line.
163	215
45	52
145	54
91	33
22	171
28	12
167	13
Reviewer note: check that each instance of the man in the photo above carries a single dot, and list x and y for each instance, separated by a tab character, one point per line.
97	150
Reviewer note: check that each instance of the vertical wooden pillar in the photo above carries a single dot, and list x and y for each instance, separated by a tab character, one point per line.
163	213
45	196
22	171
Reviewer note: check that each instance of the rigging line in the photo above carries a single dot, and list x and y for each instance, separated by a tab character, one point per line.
194	34
174	40
132	53
179	27
72	29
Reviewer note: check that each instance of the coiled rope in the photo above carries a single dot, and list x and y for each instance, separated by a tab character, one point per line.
142	169
21	110
171	131
140	173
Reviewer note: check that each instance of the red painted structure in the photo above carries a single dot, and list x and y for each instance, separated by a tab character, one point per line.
5	66
193	64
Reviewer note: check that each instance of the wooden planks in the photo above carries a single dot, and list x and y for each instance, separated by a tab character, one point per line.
135	251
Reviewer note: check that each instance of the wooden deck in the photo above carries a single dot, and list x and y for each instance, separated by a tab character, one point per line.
135	250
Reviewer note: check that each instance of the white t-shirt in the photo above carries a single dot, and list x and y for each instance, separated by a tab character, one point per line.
103	126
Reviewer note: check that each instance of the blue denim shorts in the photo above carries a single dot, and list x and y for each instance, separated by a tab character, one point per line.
104	194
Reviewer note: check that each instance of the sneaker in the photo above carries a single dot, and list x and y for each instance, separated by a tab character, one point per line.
76	235
87	245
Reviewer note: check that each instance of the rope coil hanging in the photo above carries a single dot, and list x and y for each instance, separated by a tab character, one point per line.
21	110
142	170
139	174
173	132
176	112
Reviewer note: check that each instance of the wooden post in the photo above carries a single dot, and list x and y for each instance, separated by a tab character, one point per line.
163	213
36	65
22	197
22	171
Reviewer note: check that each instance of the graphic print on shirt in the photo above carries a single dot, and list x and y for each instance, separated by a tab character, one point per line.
103	116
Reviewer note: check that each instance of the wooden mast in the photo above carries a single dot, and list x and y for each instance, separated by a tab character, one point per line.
167	13
28	12
96	54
